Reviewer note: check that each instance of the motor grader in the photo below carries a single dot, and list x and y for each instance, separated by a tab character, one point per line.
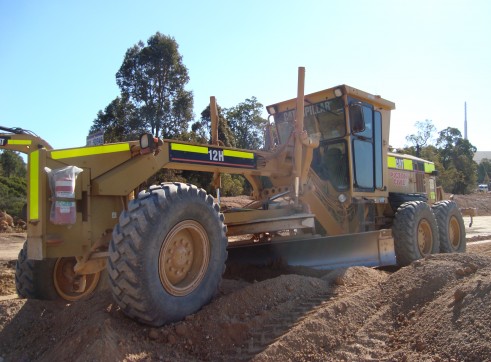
326	193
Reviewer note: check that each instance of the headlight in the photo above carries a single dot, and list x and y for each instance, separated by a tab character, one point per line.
146	140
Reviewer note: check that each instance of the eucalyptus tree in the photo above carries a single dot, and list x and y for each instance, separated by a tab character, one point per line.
153	77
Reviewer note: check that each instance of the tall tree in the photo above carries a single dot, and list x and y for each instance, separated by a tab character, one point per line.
456	155
153	77
118	121
203	127
423	136
484	171
246	123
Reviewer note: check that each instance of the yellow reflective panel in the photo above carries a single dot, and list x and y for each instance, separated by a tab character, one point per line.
429	167
238	154
188	148
391	161
34	185
89	151
19	142
408	164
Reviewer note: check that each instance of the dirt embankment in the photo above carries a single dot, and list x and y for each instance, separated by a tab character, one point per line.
436	309
479	200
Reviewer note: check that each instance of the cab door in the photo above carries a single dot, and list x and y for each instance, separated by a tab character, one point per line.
366	140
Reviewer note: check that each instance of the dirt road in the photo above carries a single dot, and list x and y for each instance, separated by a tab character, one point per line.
10	245
437	309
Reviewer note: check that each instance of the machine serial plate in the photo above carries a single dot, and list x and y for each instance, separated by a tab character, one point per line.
211	156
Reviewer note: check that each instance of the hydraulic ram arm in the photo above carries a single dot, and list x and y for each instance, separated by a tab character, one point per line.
17	139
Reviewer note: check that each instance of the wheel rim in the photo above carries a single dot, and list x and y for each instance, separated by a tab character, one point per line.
425	237
454	233
184	258
71	286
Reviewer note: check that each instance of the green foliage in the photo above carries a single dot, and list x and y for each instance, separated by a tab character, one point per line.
13	194
203	127
423	136
12	164
166	175
452	155
246	124
232	185
153	78
13	184
118	121
431	153
484	171
456	157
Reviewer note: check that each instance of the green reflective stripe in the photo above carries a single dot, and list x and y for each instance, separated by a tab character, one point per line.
391	161
188	148
408	164
19	142
34	185
89	151
204	150
432	196
238	154
429	167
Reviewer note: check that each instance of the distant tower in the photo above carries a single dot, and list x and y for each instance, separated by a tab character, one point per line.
465	120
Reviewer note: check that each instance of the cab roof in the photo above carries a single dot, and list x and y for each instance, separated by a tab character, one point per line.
331	93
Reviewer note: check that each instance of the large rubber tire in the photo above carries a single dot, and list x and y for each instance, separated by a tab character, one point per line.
415	232
450	226
34	278
167	254
51	279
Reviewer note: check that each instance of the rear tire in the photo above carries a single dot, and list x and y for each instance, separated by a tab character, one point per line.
450	227
51	279
167	254
415	232
34	278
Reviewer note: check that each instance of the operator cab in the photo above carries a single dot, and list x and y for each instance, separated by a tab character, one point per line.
353	129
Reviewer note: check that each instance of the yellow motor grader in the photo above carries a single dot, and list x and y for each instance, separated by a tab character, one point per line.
326	193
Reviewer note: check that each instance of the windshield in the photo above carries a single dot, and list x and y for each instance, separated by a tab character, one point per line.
325	118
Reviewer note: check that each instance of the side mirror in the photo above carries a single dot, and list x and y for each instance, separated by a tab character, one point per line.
356	117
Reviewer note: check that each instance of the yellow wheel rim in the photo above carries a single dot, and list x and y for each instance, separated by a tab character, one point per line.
454	233
71	286
425	237
184	258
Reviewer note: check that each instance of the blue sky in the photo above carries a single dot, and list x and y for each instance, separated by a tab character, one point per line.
58	59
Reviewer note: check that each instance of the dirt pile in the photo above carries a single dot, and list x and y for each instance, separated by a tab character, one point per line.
435	309
7	275
479	200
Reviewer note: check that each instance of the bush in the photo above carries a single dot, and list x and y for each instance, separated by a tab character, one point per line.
13	195
232	185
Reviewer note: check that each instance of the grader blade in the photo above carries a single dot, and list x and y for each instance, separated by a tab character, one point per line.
371	249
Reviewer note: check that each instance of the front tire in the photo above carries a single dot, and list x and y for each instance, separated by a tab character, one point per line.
415	232
167	254
450	226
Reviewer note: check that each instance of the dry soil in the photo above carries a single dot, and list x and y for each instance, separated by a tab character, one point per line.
436	309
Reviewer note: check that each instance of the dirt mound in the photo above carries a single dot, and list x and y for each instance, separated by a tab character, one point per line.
479	200
435	309
7	274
